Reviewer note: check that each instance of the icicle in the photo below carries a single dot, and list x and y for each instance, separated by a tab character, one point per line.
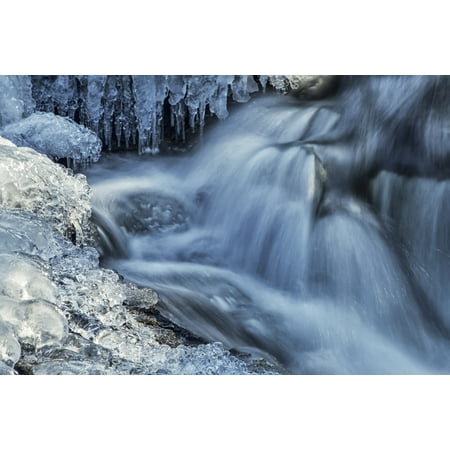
218	102
110	99
263	80
149	93
177	118
129	110
93	103
239	89
16	100
64	96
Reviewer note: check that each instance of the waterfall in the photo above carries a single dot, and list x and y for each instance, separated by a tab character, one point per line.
311	232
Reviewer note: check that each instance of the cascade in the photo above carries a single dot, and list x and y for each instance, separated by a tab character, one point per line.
297	232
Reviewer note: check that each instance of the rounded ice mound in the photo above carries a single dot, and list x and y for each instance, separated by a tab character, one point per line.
55	136
26	233
34	322
23	279
32	182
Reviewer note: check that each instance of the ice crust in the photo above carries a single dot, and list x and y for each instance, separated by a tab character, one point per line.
55	136
60	313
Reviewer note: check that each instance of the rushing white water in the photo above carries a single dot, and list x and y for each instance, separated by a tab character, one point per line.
259	240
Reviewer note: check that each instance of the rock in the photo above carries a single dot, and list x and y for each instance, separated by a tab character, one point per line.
150	212
311	86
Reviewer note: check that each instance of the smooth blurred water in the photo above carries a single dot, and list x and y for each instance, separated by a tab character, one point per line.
280	237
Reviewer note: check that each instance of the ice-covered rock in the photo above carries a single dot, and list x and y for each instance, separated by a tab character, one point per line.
55	136
30	181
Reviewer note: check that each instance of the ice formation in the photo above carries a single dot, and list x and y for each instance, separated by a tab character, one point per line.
24	278
16	100
30	181
130	110
60	313
125	111
55	136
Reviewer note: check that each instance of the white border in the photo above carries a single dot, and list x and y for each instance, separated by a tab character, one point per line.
175	37
226	412
232	37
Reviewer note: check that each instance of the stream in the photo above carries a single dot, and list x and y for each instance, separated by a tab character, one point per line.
313	234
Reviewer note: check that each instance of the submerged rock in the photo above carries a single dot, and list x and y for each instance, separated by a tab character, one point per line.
312	86
150	212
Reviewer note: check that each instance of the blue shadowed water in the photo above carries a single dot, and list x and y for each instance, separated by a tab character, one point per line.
312	233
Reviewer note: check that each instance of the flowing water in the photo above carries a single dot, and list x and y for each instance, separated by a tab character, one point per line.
314	234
